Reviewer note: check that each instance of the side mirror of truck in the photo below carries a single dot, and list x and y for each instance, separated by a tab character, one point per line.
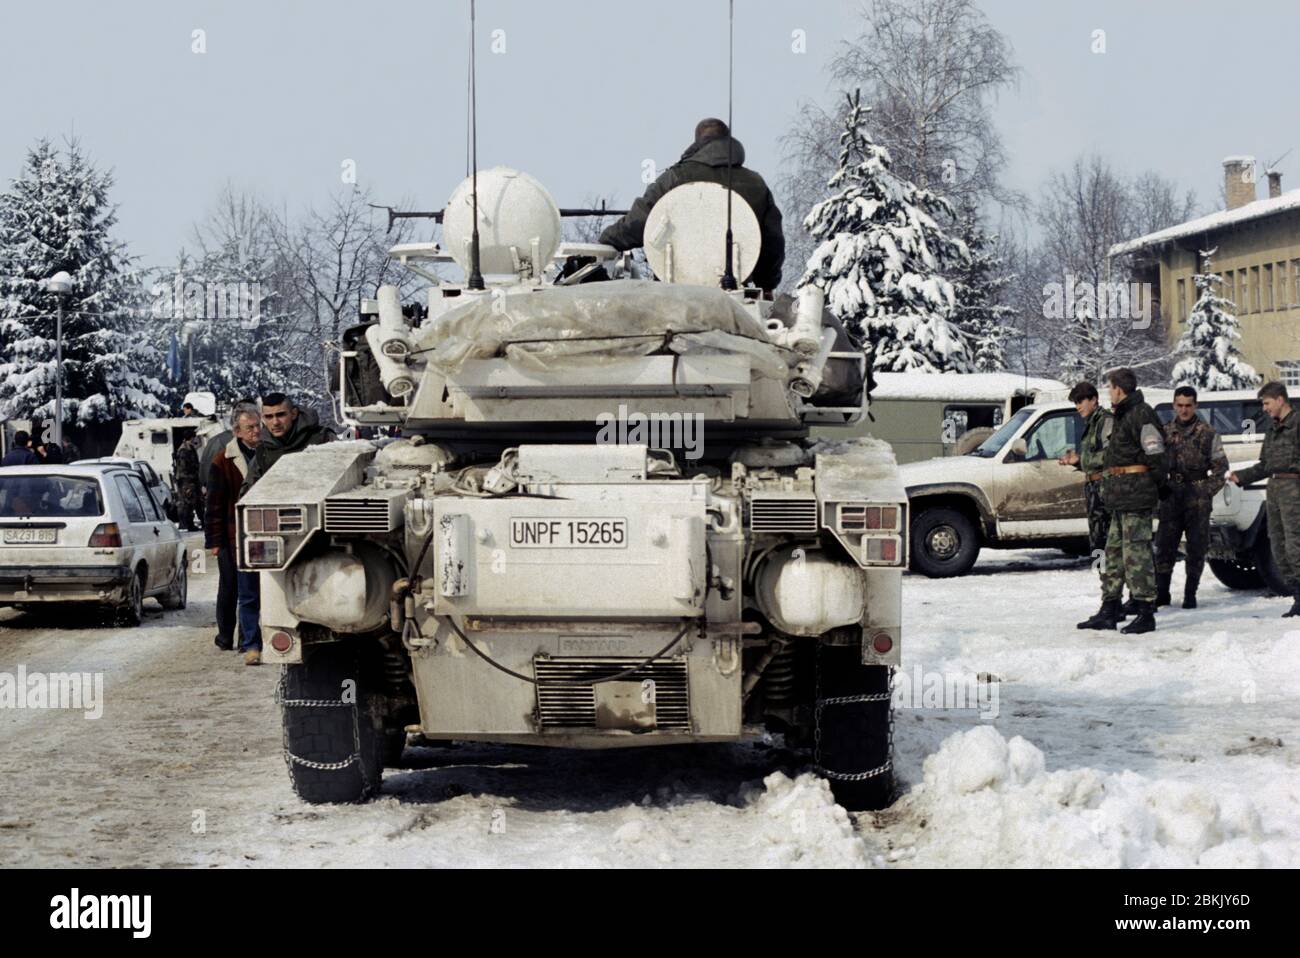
1018	451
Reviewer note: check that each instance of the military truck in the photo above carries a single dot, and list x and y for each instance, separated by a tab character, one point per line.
604	524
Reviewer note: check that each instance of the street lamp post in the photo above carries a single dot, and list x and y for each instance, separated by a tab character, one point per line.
60	284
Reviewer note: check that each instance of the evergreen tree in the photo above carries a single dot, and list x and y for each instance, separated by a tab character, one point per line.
56	216
1211	359
881	256
979	286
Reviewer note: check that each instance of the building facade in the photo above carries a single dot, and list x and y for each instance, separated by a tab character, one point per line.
1257	253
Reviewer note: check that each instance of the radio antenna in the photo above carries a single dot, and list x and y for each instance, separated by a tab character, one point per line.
475	275
728	275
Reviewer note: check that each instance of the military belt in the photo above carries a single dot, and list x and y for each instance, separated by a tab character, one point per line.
1126	470
1285	475
1094	476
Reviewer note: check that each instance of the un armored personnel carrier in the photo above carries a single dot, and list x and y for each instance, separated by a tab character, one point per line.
603	524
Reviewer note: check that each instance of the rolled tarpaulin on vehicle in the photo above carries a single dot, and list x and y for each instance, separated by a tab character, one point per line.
394	334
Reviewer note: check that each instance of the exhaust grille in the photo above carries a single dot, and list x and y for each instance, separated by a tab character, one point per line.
358	515
565	699
782	514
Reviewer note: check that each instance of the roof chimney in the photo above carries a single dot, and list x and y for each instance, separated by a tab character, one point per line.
1239	180
1274	183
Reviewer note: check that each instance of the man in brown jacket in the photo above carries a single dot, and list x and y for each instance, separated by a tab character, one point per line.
236	591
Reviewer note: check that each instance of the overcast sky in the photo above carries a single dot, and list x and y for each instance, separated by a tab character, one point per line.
584	93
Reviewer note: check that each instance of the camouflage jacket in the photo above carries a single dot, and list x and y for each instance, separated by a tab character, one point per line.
1092	447
185	464
1138	440
1281	452
1195	455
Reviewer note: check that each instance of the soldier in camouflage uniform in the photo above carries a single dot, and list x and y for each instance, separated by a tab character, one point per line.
1197	470
1279	461
189	494
1133	475
1097	426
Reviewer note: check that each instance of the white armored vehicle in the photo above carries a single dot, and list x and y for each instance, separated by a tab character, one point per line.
604	524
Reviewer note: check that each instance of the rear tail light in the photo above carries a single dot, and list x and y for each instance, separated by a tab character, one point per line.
282	642
882	550
106	536
882	642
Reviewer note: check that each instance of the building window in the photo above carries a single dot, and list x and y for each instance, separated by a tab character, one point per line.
1289	371
1283	298
1268	286
1254	289
1229	289
1243	293
1295	282
1182	300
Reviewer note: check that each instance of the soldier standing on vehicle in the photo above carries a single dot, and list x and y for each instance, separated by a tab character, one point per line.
706	160
185	474
1098	423
1279	462
1197	467
1133	477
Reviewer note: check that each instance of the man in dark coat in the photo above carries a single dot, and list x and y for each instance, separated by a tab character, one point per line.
225	478
21	453
185	477
1279	462
705	160
1132	482
1197	467
288	430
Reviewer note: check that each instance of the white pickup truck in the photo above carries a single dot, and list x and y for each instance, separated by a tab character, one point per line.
1010	492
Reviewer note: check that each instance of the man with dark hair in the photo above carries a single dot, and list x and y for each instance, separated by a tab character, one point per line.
187	410
706	160
1097	427
1279	462
288	429
1132	480
1197	467
22	453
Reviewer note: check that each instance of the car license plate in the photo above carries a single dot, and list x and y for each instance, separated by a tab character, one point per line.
33	536
537	533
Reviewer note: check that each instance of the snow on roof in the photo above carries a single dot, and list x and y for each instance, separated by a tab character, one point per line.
1214	221
971	387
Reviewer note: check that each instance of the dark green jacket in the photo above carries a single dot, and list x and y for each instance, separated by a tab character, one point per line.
1195	455
1138	439
306	431
706	161
1096	434
1281	452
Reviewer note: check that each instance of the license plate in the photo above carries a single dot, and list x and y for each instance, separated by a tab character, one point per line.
20	536
531	533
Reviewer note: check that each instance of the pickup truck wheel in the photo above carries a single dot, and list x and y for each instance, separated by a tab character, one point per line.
1235	575
1267	568
853	718
177	596
944	543
131	612
332	746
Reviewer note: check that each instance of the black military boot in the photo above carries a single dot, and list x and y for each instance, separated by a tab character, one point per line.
1189	590
1128	608
1145	620
1162	588
1107	617
1295	608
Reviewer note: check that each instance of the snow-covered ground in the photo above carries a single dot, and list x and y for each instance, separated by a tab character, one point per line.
1173	748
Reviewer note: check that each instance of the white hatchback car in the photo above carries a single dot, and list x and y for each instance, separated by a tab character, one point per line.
90	533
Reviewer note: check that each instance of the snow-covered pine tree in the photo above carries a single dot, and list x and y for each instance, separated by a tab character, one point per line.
978	285
881	258
1211	359
1083	348
56	216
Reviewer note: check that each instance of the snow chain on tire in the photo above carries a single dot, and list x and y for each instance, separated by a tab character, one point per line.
851	700
290	758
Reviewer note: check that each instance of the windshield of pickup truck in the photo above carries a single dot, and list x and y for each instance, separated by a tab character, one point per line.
990	446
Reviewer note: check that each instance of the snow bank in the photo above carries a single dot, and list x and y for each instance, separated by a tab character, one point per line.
987	801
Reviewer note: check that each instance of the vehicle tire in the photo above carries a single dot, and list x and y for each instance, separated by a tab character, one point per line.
1262	551
394	746
944	543
131	612
1235	575
854	737
334	747
177	597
